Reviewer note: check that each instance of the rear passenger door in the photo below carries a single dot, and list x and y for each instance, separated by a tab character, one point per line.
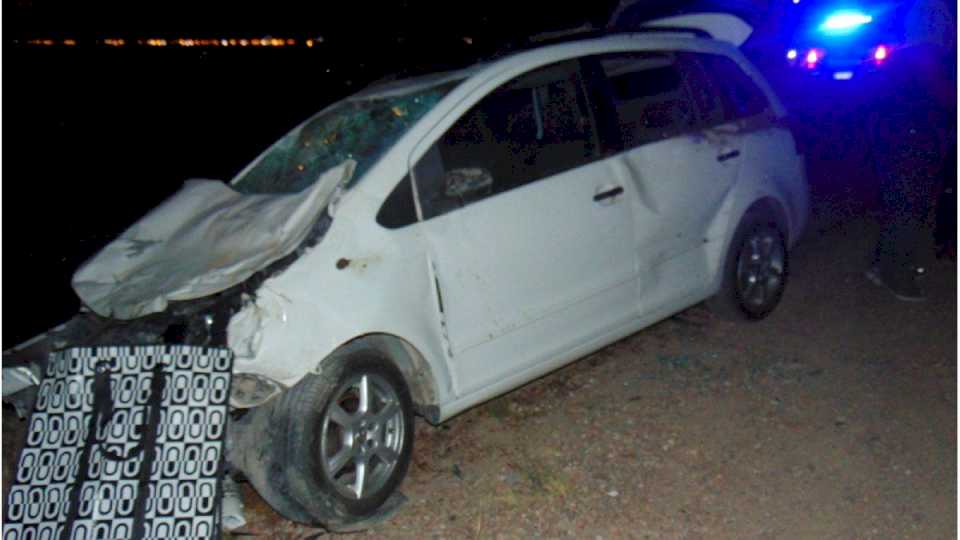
766	146
681	169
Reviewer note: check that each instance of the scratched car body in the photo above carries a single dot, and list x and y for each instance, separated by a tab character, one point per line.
432	243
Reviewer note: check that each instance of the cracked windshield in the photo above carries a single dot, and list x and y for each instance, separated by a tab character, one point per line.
362	129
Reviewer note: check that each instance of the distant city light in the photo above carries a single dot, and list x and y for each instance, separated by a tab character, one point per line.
267	41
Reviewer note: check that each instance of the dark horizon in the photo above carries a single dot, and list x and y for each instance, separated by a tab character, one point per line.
343	21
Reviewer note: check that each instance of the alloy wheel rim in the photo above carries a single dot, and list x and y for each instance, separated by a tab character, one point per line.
760	268
362	436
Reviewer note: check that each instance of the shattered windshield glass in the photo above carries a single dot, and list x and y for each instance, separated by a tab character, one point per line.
362	129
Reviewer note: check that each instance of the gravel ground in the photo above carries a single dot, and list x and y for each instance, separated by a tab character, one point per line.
833	418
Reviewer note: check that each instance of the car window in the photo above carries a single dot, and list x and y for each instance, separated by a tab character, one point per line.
398	209
532	127
649	96
742	97
704	91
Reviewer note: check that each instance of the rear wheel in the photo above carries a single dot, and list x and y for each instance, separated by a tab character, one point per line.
754	273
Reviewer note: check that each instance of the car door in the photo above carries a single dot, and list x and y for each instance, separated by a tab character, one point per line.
766	146
528	243
681	169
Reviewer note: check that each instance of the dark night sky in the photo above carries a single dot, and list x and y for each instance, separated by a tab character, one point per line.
347	20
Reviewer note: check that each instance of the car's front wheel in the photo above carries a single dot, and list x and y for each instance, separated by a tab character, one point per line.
754	273
364	436
350	437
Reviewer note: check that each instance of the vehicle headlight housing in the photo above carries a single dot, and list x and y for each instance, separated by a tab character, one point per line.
251	390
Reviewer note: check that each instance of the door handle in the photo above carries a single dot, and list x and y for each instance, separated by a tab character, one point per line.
728	155
608	194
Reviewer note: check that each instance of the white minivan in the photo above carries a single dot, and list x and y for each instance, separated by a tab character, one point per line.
425	245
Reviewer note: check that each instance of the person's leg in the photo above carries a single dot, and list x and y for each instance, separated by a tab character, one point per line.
884	255
946	220
908	237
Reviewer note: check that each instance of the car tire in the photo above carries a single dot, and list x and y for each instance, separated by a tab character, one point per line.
754	272
349	437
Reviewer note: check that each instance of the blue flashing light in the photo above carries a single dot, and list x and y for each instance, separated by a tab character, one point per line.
844	22
792	54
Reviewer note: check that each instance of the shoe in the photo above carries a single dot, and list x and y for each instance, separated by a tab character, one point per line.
909	292
873	274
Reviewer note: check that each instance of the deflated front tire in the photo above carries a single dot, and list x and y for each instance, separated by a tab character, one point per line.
339	442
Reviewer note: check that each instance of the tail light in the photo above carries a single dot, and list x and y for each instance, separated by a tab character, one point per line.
880	54
812	58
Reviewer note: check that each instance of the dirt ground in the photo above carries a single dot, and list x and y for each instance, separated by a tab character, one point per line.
835	417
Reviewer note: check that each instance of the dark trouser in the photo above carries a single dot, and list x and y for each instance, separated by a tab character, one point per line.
908	167
945	232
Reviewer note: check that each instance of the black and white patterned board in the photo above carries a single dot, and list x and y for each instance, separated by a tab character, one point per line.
152	466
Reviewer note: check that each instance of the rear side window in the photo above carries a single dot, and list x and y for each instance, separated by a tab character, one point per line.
648	95
742	97
533	127
704	92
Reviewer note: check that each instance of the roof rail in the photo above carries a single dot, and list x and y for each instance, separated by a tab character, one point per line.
565	33
698	32
588	31
720	26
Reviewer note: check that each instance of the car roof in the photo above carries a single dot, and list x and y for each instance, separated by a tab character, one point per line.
416	84
654	39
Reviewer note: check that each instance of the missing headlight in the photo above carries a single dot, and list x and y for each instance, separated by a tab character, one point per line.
176	334
250	390
194	330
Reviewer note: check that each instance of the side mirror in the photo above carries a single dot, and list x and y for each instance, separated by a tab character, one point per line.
468	183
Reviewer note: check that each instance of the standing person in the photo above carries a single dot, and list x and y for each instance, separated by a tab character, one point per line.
910	128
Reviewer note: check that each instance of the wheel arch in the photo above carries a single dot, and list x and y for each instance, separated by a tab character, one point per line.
416	371
771	209
765	207
763	211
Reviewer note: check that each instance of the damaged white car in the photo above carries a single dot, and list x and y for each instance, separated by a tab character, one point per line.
428	244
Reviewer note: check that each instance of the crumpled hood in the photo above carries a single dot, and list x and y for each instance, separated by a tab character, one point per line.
204	239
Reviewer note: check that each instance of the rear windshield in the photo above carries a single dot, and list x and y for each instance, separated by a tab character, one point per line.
362	129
